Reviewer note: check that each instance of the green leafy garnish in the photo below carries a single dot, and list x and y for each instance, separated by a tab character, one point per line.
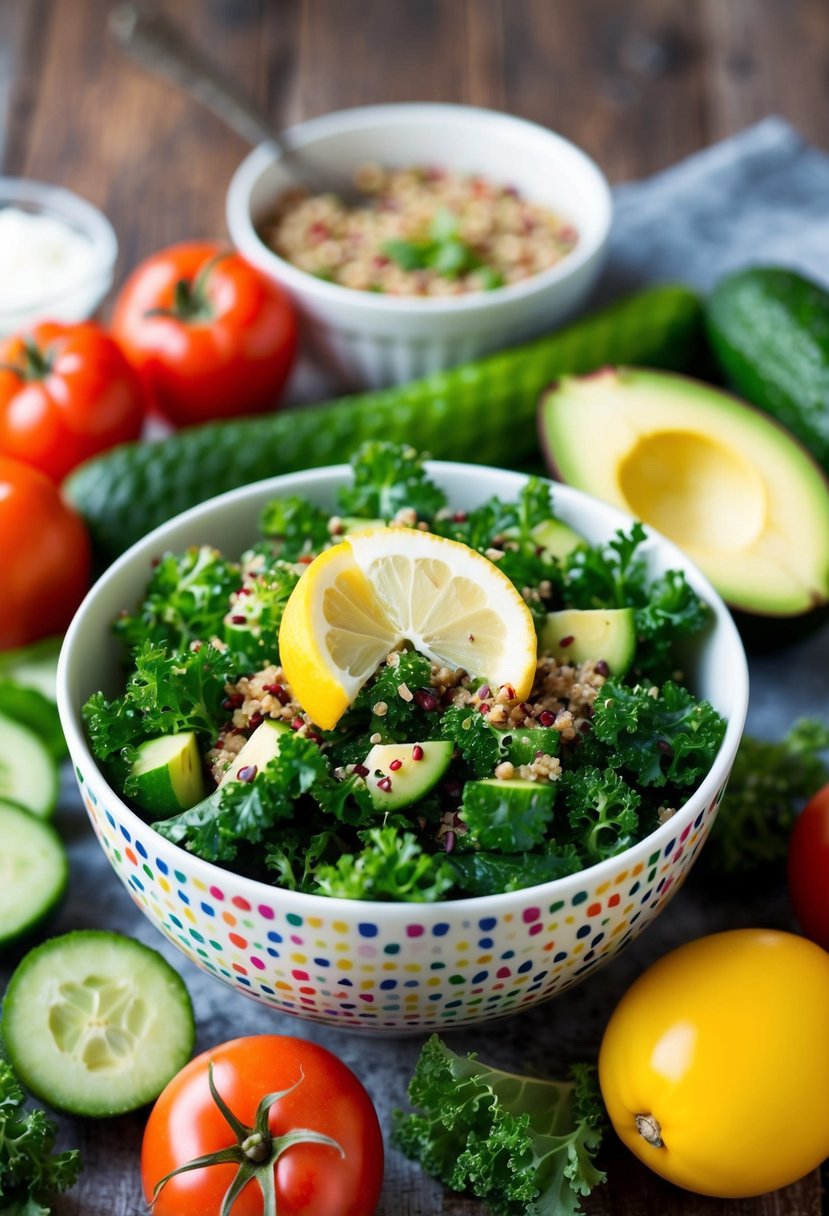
523	1145
391	865
29	1168
480	745
295	526
482	873
504	819
185	601
768	784
602	811
387	478
443	250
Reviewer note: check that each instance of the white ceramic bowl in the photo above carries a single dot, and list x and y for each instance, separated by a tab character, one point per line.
372	340
367	965
76	297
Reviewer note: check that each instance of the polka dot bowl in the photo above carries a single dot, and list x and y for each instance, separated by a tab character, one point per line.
389	967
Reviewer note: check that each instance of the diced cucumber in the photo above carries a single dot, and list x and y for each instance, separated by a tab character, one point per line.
28	773
29	707
507	816
557	539
166	775
576	635
353	523
402	773
523	744
97	1024
33	873
33	666
260	749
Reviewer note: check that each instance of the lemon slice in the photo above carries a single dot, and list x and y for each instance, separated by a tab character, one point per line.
359	600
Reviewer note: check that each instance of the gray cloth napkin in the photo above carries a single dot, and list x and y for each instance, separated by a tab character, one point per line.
759	198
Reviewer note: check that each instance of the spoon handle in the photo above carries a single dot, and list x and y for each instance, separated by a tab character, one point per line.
157	44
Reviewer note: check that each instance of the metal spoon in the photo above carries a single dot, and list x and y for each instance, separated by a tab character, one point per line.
155	43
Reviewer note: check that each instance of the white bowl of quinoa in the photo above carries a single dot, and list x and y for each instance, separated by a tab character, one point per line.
468	230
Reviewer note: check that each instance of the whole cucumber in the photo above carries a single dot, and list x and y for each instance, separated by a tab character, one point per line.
769	331
482	412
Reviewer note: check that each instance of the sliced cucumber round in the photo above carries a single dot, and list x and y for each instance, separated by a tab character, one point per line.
28	772
166	775
97	1024
34	870
402	773
576	635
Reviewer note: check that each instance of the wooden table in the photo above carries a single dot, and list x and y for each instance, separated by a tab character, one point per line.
639	84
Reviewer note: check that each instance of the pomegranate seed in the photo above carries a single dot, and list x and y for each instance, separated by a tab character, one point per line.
509	690
601	668
384	784
449	841
361	770
238	619
247	773
484	692
297	724
460	517
568	641
278	691
546	718
427	701
254	720
245	591
417	752
485	707
395	765
305	559
235	701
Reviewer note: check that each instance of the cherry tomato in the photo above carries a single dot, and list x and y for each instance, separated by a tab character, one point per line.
714	1067
66	393
211	335
808	868
334	1167
44	556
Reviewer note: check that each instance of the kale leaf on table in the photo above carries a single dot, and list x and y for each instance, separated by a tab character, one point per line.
523	1145
29	1168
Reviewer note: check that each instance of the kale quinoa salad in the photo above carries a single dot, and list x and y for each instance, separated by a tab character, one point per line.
356	765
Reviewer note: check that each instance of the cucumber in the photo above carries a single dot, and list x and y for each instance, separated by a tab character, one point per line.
33	666
260	749
97	1024
507	816
166	775
556	539
28	772
482	411
769	330
522	745
576	635
28	691
34	871
400	774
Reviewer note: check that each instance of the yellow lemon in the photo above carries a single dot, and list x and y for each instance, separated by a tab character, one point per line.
378	589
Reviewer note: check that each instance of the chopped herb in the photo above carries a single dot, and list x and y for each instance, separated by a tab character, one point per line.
388	477
390	865
30	1170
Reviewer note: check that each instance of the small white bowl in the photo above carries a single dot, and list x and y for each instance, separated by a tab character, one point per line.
73	297
391	967
371	340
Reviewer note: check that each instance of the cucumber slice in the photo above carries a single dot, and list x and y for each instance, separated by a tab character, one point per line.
507	816
97	1024
166	775
29	707
259	750
28	773
523	744
402	773
556	539
34	870
33	666
576	635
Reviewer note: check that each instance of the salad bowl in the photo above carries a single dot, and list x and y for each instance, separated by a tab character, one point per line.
368	965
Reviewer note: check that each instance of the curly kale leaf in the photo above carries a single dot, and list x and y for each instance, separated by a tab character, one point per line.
29	1168
481	746
390	866
387	478
506	819
768	784
294	857
602	810
246	811
607	576
659	737
523	1145
673	610
255	617
403	720
186	600
482	873
295	526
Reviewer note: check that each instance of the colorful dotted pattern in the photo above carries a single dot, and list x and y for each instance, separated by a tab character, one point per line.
436	967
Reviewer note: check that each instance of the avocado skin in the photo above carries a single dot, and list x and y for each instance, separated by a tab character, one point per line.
764	634
769	331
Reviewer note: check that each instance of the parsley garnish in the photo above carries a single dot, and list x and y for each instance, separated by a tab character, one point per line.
29	1167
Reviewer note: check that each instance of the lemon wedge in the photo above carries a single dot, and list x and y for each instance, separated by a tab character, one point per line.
361	599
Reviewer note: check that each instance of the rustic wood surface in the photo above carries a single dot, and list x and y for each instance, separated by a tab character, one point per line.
639	84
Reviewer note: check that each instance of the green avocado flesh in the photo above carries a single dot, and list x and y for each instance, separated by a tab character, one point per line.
730	487
576	635
259	750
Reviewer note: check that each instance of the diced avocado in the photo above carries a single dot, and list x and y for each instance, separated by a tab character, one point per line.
555	538
523	744
508	816
259	750
402	773
166	775
576	635
744	500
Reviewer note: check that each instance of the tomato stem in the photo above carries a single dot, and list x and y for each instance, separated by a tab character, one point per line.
190	299
649	1129
35	364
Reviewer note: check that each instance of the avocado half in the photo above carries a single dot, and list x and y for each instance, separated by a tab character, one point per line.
729	486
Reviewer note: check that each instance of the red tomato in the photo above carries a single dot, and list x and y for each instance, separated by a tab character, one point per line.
66	393
809	868
311	1178
212	336
44	556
